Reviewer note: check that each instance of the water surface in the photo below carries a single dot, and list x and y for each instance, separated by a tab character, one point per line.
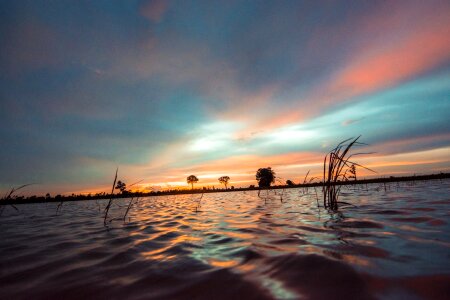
394	244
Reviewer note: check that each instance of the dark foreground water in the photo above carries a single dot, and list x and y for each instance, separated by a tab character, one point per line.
394	245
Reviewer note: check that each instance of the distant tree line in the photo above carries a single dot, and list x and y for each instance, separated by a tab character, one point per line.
264	176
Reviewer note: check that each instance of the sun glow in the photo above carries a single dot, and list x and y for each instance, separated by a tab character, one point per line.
214	136
206	144
291	135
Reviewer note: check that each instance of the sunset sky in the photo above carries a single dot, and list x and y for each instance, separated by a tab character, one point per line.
166	89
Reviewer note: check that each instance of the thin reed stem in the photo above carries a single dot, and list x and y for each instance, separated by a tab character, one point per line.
110	199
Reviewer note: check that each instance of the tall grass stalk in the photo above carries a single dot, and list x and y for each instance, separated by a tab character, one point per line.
306	177
336	165
199	203
59	206
110	199
129	207
8	196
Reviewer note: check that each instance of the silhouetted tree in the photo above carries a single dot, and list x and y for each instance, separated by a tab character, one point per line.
290	182
121	186
265	177
224	180
352	171
191	179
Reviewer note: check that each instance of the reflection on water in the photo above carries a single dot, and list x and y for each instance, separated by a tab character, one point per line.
394	244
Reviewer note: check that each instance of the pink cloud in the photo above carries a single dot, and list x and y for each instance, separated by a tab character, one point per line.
387	47
397	44
416	54
405	144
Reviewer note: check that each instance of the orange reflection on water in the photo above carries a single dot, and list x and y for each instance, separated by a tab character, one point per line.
247	267
223	263
157	254
161	253
237	235
367	242
385	233
241	231
357	260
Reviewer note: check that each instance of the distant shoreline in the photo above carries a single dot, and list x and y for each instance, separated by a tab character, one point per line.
59	198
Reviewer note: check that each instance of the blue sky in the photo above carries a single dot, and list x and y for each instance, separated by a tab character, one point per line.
165	89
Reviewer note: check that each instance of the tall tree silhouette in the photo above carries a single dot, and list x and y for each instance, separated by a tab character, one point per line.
265	177
191	179
224	180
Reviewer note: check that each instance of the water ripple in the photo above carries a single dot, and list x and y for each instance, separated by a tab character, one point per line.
394	244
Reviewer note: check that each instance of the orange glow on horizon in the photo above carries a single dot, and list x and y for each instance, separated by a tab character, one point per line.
293	166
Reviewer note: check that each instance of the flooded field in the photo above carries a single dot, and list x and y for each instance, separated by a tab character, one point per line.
395	244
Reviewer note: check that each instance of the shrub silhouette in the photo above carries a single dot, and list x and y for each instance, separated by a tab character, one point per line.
265	177
290	182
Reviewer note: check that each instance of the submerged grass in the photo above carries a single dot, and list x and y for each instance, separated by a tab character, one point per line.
59	206
130	204
336	166
199	203
110	199
9	196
